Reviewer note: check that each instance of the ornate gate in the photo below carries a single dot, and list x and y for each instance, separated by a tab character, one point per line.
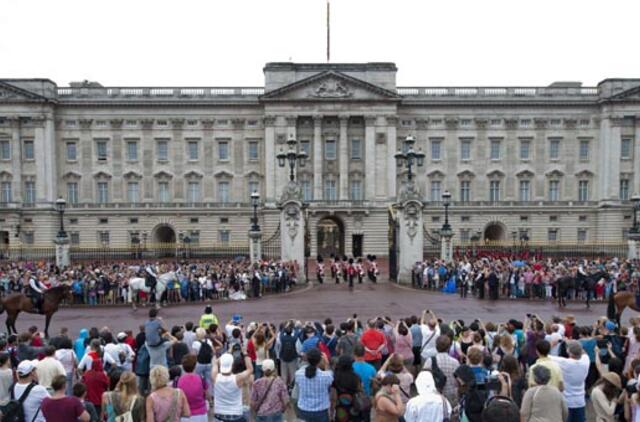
393	245
271	246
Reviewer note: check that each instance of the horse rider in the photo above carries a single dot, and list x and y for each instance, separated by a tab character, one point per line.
151	279
36	292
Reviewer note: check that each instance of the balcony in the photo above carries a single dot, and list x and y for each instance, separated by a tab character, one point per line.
499	93
149	94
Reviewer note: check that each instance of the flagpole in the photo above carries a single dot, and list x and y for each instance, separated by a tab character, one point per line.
328	34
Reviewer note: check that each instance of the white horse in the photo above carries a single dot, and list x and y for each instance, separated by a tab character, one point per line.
138	284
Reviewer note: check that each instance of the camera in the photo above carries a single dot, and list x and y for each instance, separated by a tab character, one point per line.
632	387
493	382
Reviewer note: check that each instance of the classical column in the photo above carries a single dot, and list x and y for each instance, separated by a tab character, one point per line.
608	154
255	245
317	157
270	158
63	256
410	232
370	157
391	161
292	228
635	188
344	159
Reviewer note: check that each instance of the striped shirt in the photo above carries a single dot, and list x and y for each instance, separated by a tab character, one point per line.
313	393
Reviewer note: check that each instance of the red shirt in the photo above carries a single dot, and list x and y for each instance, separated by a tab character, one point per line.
251	351
372	339
62	410
97	383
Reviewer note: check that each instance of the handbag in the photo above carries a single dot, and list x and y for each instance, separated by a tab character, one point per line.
128	415
264	397
361	402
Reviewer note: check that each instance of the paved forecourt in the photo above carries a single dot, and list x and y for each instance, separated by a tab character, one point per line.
316	302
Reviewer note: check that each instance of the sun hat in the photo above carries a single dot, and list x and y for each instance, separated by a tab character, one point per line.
613	378
226	363
26	367
268	365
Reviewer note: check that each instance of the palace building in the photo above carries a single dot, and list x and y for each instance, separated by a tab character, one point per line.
559	162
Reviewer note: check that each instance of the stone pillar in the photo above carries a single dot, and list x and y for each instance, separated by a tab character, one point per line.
255	245
410	231
270	158
370	157
292	228
317	157
446	247
635	187
344	159
391	160
63	257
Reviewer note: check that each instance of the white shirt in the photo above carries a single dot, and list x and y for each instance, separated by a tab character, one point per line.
555	340
427	407
114	350
47	369
195	346
188	338
32	402
429	341
574	374
87	361
68	359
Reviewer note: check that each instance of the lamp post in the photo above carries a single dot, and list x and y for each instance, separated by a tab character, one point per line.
411	157
292	156
255	201
61	204
445	232
446	201
635	200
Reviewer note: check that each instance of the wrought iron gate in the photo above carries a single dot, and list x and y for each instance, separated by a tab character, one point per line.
393	246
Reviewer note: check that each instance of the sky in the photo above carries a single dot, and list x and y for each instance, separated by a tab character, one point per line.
227	42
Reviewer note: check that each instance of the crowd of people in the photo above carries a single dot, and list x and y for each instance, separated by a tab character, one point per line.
514	278
196	281
417	368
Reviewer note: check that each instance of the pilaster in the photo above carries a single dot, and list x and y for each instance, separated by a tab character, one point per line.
270	158
370	157
344	159
317	157
392	122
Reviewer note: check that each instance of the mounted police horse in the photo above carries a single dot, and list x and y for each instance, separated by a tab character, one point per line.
18	302
583	283
139	284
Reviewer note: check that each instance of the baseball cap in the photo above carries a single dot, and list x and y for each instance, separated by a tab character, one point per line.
268	365
236	318
610	325
121	335
26	367
226	362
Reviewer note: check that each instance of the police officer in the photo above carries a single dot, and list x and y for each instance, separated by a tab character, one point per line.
208	318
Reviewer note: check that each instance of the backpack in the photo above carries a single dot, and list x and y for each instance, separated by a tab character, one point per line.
288	351
346	344
439	377
143	361
205	354
13	411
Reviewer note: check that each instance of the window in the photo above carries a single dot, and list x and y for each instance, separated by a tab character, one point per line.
495	122
330	149
224	220
465	122
103	237
194	220
72	192
29	153
103	193
253	150
74	238
192	150
163	191
101	150
584	150
465	149
224	236
582	218
465	191
103	221
465	218
625	148
435	219
356	190
464	235
193	192
494	191
583	190
436	192
330	193
524	218
223	191
133	220
525	122
5	192
223	151
624	189
132	150
133	195
72	152
525	190
555	122
495	150
552	235
73	221
554	149
5	150
307	191
356	149
306	147
30	192
554	190
524	149
436	150
28	238
254	187
582	235
553	218
162	150
194	235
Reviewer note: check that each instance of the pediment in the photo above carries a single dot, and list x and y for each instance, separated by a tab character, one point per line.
161	174
11	94
495	174
584	174
466	173
555	173
72	175
253	175
193	174
101	175
525	174
330	86
223	174
132	174
435	174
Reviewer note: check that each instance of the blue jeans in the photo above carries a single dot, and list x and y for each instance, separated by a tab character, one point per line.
576	415
276	417
204	370
321	416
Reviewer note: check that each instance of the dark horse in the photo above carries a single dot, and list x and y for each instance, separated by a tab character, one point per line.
18	302
586	283
618	302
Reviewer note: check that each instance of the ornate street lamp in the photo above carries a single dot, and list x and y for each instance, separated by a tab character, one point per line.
60	205
446	201
635	200
411	157
292	156
255	202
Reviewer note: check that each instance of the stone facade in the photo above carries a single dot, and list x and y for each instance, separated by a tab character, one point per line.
559	162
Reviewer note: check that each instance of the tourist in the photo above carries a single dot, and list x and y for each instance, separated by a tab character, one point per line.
124	399
428	405
313	382
430	332
34	394
513	383
345	388
394	365
269	395
287	344
228	387
95	353
388	403
203	349
195	389
574	373
448	366
156	337
605	396
48	368
6	378
67	357
365	371
80	345
60	407
348	340
80	392
97	383
403	342
543	402
262	339
165	403
543	347
373	341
